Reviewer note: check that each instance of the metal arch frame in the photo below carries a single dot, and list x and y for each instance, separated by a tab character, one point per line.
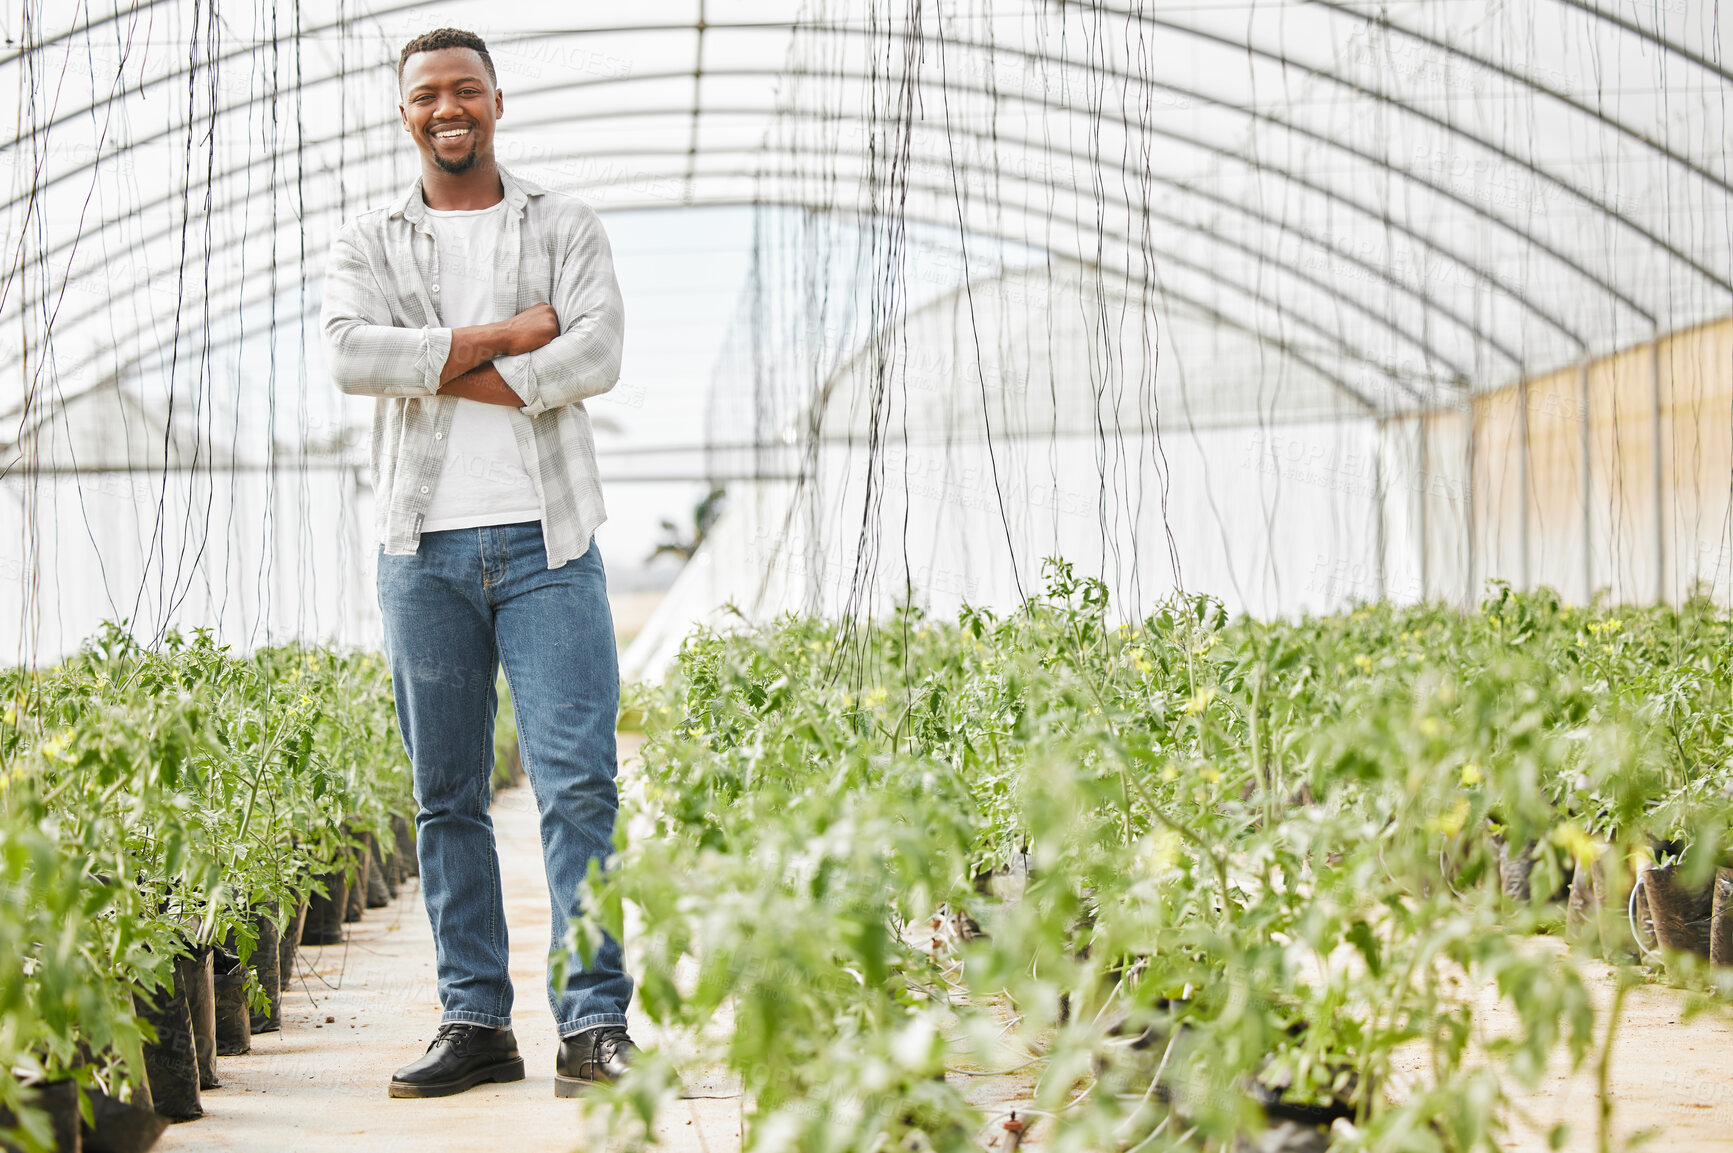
1590	9
1199	307
88	26
1207	313
1041	148
1404	173
1328	291
1383	21
1400	332
1654	38
1333	196
130	361
1446	126
1344	347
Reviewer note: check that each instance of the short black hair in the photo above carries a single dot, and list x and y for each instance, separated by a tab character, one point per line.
447	38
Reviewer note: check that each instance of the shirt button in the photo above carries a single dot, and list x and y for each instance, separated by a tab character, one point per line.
437	436
424	488
436	288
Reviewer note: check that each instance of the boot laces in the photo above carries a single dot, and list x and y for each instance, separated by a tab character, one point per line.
452	1033
608	1043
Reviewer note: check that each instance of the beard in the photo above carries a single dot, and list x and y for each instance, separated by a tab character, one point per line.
456	167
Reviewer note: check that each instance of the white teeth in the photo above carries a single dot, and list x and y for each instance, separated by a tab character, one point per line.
452	134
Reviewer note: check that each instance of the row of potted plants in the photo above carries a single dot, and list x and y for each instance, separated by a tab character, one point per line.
167	816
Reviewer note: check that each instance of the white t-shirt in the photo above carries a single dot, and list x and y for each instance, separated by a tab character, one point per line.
484	481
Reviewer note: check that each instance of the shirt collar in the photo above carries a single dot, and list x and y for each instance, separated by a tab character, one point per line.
412	206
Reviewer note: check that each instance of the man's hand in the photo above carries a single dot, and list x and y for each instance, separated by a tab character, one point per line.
484	384
531	328
477	344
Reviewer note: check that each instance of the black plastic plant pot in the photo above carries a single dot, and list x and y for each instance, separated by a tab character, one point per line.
195	971
266	964
59	1099
325	913
356	906
1683	917
234	1020
1514	867
171	1063
286	944
119	1127
378	896
1721	919
1596	914
393	874
385	870
403	829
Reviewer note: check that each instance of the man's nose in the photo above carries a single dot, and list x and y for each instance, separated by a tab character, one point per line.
446	107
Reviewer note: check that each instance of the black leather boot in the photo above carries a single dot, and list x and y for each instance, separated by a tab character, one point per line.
598	1055
461	1056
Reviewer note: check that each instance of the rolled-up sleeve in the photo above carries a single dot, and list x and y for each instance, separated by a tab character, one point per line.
584	360
366	353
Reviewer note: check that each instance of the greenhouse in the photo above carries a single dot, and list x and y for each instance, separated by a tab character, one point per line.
1150	575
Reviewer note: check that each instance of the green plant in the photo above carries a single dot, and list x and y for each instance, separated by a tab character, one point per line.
1183	867
153	800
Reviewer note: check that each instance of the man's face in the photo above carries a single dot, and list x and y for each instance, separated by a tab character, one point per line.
449	106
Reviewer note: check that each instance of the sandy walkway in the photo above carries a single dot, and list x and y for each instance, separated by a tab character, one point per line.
319	1086
1669	1077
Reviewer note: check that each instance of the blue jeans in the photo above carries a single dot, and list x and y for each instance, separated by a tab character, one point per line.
466	601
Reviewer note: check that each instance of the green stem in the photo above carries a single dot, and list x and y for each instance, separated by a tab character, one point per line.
1603	1075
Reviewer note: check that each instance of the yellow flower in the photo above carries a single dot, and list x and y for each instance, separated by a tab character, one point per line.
1143	666
1449	824
1170	774
1471	775
1159	851
1200	700
1211	776
1363	663
1584	849
55	749
1429	727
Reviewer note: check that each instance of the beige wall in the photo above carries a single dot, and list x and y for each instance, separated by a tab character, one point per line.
1674	397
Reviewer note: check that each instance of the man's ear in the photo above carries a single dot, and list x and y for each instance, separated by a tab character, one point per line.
403	116
498	103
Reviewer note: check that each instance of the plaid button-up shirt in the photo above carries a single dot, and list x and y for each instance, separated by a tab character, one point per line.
383	338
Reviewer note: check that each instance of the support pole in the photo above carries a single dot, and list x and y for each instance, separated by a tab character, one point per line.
1656	424
1588	493
1425	429
1524	573
1469	518
1378	530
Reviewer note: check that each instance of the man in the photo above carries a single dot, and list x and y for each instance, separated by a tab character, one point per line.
482	311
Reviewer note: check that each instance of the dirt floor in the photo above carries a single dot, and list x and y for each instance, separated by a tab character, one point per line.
1669	1078
360	1010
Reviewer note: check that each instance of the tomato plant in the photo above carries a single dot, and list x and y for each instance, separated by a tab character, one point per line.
156	800
1190	872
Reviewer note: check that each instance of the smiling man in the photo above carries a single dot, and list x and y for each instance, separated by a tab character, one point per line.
482	311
